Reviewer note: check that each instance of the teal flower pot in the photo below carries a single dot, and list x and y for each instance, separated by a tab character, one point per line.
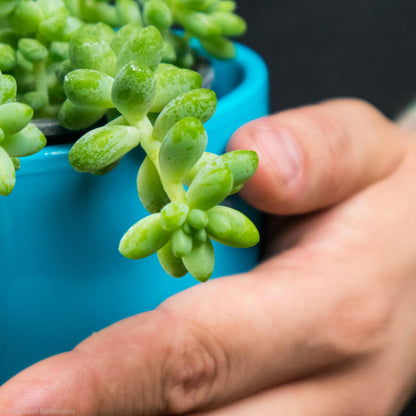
62	276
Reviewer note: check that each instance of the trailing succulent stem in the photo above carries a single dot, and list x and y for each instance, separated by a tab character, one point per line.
179	183
82	72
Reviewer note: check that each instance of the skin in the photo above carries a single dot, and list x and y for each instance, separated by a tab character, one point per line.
326	325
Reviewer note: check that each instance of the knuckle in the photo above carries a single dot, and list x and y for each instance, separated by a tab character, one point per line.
190	372
358	325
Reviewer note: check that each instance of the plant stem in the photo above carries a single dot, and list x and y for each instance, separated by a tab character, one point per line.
41	81
151	146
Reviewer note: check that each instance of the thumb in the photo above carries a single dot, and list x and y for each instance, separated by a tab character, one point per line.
315	156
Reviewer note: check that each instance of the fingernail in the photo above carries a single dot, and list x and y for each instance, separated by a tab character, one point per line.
280	152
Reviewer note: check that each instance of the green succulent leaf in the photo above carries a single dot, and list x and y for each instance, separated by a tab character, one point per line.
227	6
127	12
200	103
58	28
230	23
230	227
90	52
201	25
181	243
243	165
7	173
144	238
7	57
7	88
24	143
144	46
200	261
200	5
74	117
197	219
157	13
219	47
6	6
26	16
89	88
133	91
171	264
211	186
172	82
182	147
32	50
101	147
99	30
206	159
52	8
123	35
14	117
150	189
173	215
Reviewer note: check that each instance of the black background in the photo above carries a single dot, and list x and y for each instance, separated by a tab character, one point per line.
321	49
327	48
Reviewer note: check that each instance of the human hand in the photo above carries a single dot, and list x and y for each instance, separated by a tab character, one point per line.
325	326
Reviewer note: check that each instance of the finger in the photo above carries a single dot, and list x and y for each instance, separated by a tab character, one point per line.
344	392
207	347
315	156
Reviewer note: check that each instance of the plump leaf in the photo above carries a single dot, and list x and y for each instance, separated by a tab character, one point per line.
219	47
89	88
7	173
7	88
59	28
102	146
243	165
26	17
14	117
32	50
181	243
24	143
200	261
199	103
74	117
133	91
150	189
171	83
230	23
197	219
144	238
7	57
210	187
90	52
205	159
171	264
231	227
157	13
144	46
173	215
182	147
202	25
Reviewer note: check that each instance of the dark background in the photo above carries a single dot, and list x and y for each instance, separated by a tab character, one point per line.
328	48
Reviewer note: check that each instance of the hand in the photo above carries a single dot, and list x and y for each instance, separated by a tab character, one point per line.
325	326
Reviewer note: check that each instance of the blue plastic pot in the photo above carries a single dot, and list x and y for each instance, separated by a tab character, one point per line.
62	276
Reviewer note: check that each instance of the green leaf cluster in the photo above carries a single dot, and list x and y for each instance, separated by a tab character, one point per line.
42	40
69	63
18	137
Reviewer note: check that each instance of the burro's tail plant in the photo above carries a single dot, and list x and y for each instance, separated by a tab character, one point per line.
162	108
18	137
